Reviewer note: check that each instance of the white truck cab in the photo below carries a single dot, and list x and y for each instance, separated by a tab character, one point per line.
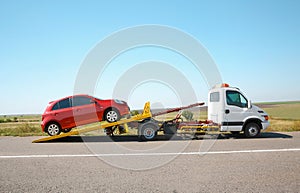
230	108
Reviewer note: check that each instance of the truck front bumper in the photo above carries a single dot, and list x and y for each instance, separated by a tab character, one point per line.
265	124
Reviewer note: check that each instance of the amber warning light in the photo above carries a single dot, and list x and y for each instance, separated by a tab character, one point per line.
225	85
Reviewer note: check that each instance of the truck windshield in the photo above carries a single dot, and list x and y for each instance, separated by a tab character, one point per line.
236	99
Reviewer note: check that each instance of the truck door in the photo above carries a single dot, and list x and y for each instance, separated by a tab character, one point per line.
215	107
236	109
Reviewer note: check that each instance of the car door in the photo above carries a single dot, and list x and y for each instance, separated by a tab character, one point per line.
84	110
236	110
62	112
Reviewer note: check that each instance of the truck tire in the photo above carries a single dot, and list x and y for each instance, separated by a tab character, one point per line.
251	130
147	132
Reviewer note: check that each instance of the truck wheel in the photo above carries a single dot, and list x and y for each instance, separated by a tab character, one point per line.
251	130
148	132
53	129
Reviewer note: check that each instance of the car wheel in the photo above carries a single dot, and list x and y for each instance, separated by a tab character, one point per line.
53	129
112	115
252	130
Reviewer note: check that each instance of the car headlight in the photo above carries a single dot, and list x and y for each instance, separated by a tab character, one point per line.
119	101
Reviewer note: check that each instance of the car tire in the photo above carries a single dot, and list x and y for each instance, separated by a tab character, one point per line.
111	115
251	130
53	129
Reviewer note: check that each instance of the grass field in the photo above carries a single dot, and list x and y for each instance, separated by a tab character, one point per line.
284	116
20	125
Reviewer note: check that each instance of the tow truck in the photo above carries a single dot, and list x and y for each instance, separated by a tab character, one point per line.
228	111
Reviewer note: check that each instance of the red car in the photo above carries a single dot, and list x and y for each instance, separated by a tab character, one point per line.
64	114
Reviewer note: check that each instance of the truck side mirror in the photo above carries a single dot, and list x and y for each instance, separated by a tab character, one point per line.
249	105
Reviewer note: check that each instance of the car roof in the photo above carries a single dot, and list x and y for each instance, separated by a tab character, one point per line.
85	95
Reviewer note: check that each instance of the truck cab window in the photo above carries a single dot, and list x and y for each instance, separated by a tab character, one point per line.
236	99
214	97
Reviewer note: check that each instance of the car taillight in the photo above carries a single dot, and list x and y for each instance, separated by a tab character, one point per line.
266	117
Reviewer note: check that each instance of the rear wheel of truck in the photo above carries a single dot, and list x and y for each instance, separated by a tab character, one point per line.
251	130
147	132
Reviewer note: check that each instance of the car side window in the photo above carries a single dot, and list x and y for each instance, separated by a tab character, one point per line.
80	101
64	103
236	99
55	107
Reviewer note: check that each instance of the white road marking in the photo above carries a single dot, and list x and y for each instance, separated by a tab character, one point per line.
149	154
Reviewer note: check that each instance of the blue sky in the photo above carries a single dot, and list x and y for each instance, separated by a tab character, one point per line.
256	45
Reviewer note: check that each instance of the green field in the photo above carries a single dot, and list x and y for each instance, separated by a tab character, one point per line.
20	125
284	116
285	111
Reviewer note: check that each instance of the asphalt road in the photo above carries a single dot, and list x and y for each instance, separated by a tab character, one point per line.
270	163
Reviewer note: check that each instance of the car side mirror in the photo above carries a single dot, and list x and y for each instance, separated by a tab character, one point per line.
93	102
249	105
